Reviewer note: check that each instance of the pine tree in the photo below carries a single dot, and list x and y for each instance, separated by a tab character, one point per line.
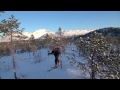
103	58
32	38
60	31
11	27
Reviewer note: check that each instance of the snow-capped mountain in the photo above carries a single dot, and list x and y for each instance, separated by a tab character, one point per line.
74	32
41	33
5	39
50	34
38	33
15	37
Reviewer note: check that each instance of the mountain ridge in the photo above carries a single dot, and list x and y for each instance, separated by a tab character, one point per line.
41	33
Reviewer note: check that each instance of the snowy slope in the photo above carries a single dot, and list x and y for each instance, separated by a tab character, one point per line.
38	33
26	67
5	39
8	37
74	32
41	33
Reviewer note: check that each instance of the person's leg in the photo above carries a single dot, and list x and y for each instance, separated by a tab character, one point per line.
59	63
56	60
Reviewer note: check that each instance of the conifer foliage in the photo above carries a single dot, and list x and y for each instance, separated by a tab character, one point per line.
103	58
10	28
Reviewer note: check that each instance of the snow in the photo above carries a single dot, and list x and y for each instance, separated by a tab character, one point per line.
41	33
38	33
75	32
26	68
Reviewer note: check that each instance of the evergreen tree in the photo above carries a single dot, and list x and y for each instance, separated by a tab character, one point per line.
103	60
60	31
32	37
11	27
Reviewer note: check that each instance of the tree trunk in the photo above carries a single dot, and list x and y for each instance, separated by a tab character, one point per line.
92	67
12	50
92	71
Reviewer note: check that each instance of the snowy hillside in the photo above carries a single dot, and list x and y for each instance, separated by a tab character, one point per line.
41	33
28	68
75	32
5	39
38	33
8	37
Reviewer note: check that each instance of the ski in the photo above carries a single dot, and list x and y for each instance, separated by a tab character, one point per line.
52	68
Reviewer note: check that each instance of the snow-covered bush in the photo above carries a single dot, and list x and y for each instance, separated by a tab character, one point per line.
38	58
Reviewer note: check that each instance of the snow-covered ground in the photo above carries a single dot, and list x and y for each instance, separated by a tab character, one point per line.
26	68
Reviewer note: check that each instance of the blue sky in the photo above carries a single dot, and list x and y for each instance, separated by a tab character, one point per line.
67	20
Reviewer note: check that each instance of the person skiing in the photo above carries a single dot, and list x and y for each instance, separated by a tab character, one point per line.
56	51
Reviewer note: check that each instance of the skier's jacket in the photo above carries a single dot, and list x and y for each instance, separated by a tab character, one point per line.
56	51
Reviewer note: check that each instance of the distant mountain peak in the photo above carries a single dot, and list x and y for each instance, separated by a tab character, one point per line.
38	33
73	32
41	33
